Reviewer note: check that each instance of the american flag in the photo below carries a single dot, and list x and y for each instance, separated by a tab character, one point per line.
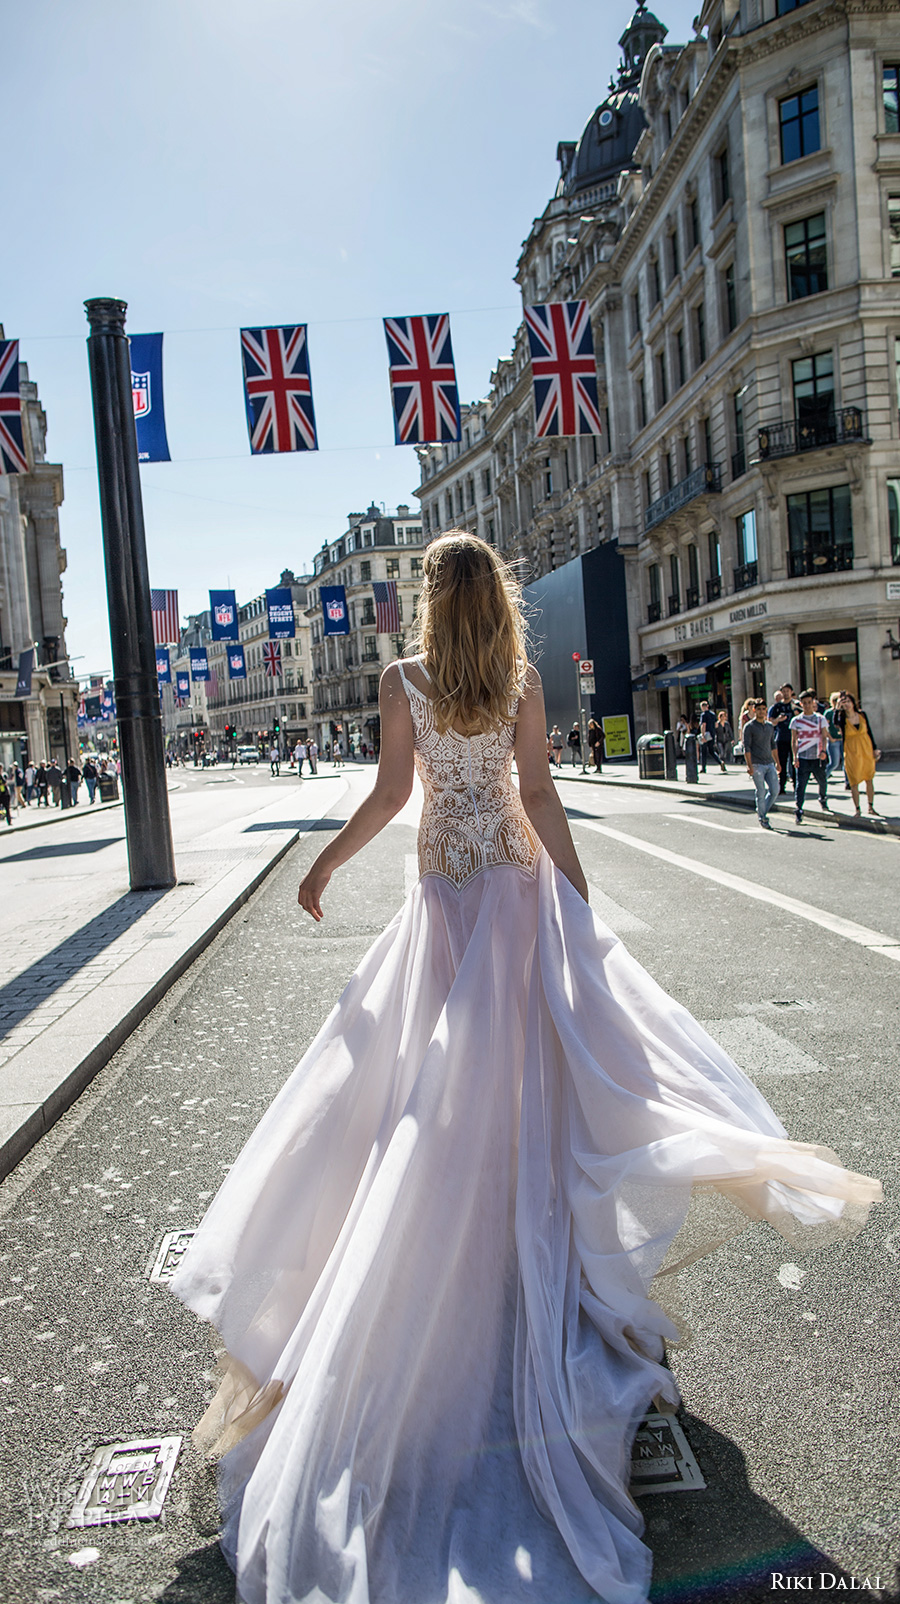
423	379
563	368
387	607
12	445
164	608
278	389
272	659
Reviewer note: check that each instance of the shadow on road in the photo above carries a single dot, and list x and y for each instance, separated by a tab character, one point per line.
304	825
61	849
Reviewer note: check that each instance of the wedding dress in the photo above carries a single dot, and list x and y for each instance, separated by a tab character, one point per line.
430	1264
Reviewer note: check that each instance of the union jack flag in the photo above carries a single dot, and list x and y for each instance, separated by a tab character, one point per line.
423	379
272	659
387	607
12	445
278	389
563	368
164	612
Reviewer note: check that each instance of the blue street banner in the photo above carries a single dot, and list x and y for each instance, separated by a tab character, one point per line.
147	397
182	686
26	669
108	705
334	610
237	668
163	666
224	614
199	663
280	604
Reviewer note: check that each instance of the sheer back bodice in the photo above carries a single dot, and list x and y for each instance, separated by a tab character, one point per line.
472	818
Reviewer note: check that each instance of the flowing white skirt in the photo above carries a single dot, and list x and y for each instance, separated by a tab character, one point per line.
430	1264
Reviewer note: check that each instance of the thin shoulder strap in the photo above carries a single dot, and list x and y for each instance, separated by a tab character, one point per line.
421	662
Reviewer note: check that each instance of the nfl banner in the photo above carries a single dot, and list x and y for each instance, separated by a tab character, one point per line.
147	397
280	606
563	368
224	614
199	663
12	443
423	379
237	668
163	666
334	610
278	389
182	686
26	669
107	705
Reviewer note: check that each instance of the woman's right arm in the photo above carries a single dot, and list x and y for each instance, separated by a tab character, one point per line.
540	798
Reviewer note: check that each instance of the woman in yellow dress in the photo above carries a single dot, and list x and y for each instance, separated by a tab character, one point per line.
860	751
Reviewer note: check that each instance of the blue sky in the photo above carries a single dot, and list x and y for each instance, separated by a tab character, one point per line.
218	164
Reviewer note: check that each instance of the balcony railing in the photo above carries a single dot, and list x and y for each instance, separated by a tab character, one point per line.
692	597
847	426
654	612
674	605
714	588
822	560
738	463
701	482
746	575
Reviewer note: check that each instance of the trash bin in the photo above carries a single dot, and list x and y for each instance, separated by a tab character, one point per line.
651	752
108	786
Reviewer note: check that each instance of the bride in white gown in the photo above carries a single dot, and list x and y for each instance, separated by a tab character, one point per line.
430	1264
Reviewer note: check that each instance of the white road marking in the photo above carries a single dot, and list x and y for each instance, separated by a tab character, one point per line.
759	1050
618	918
730	829
887	946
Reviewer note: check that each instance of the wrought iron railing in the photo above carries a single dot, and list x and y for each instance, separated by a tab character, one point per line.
654	612
821	560
846	426
701	482
692	597
674	605
746	575
714	588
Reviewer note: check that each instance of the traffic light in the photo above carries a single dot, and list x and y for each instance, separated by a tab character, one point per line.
277	726
229	732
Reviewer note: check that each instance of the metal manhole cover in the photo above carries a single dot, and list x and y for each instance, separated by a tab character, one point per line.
126	1481
171	1251
661	1459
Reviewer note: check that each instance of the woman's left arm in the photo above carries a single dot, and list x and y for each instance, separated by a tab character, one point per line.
392	788
875	747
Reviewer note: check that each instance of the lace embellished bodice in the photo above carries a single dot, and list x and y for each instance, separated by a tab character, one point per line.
472	818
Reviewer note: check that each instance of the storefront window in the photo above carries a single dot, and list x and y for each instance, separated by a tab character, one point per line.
830	663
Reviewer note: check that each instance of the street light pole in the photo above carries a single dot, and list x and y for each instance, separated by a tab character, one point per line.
151	858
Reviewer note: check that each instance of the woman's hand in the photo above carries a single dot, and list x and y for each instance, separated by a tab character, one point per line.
877	753
311	887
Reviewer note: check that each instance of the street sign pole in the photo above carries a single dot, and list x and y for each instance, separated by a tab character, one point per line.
151	858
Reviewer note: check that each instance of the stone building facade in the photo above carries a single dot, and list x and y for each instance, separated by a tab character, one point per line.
32	562
346	668
732	215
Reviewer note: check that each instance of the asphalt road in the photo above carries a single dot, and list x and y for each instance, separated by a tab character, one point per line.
789	1379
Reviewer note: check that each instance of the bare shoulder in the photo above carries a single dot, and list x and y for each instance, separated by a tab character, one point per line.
533	684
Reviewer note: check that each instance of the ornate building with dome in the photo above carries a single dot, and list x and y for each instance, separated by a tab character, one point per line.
731	214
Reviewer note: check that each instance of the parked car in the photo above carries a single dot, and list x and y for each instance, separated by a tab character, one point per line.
248	754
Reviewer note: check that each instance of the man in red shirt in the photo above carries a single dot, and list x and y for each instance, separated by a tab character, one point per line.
809	746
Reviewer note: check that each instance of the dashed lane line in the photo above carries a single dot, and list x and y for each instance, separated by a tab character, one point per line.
730	829
887	946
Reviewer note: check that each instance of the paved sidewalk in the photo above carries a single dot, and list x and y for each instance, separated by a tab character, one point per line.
735	790
85	958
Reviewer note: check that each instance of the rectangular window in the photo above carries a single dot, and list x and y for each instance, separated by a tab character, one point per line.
662	393
730	295
894	234
635	313
890	78
897	370
674	575
645	490
655	291
746	537
722	177
392	568
707	441
893	490
813	381
693	568
715	554
370	646
820	531
372	687
415	568
365	572
459	500
668	470
642	404
679	356
655	587
700	326
686	455
674	259
548	478
448	502
805	257
694	220
470	492
739	458
490	532
798	118
486	481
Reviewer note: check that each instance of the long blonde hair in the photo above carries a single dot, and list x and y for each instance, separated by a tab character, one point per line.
471	632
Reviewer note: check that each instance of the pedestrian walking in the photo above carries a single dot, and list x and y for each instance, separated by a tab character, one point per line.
780	714
73	778
723	735
30	783
861	751
556	742
682	731
809	750
19	778
574	744
42	785
763	762
312	752
835	741
338	753
5	797
395	1194
55	782
274	761
597	744
301	753
707	732
89	775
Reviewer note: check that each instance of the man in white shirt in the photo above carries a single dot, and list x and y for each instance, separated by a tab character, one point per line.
809	746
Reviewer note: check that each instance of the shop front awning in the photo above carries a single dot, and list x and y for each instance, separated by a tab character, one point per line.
693	672
642	683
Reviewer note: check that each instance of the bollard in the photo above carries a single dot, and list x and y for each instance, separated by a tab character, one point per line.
691	746
671	755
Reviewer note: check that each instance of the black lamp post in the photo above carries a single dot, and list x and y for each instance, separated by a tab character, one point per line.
151	858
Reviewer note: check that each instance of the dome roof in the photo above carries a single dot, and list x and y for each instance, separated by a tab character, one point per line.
606	148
